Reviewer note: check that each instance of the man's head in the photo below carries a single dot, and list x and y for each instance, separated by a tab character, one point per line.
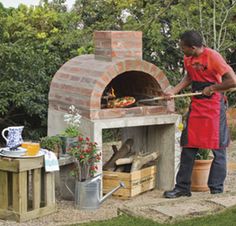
191	42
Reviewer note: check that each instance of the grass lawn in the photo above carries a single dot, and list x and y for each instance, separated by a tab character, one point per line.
226	218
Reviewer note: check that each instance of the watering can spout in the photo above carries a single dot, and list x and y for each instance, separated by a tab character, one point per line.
121	185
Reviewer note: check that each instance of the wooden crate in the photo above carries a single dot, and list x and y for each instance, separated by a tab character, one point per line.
26	190
135	182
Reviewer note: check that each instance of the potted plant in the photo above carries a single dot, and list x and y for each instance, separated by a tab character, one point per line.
71	133
201	170
52	143
86	156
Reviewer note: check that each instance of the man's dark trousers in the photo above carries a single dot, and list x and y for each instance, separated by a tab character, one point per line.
217	172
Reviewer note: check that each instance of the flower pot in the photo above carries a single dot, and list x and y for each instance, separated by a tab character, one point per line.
57	150
200	174
66	143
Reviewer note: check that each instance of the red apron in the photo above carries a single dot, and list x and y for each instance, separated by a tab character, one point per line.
206	122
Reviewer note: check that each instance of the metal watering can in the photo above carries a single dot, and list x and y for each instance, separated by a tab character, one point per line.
87	193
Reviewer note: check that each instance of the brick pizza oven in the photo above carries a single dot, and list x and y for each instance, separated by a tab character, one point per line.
86	82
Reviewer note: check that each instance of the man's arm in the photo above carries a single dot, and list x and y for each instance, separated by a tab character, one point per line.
186	81
229	81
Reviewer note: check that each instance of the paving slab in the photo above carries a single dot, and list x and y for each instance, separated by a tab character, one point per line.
169	210
173	210
225	201
182	209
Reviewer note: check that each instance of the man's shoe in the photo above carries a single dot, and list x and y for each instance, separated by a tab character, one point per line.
213	192
175	193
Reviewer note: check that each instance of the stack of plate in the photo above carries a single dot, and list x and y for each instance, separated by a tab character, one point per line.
13	153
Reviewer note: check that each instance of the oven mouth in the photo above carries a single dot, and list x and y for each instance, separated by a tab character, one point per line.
107	100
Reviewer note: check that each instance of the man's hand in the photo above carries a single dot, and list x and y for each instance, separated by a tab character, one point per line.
208	91
168	94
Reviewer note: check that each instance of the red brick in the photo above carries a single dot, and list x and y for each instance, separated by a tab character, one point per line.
160	76
52	106
134	111
75	78
106	113
102	34
79	102
105	77
120	67
111	71
170	106
154	70
129	65
96	94
101	85
146	66
164	83
68	68
57	96
62	75
103	53
55	85
68	100
128	44
82	91
137	65
118	44
88	81
95	105
153	110
102	43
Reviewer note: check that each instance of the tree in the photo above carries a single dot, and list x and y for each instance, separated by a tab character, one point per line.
35	42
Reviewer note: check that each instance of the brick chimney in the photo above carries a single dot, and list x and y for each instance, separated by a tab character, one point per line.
111	45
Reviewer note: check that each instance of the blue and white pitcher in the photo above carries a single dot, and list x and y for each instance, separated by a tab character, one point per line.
14	136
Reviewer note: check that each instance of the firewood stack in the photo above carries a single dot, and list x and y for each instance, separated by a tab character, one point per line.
126	159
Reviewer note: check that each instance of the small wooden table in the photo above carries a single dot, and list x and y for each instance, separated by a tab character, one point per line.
26	190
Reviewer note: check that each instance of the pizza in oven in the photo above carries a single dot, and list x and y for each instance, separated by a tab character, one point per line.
121	102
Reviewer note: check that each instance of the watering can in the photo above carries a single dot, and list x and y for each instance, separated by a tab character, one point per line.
87	193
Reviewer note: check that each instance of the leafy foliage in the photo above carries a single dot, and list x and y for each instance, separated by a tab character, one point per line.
36	41
50	142
85	154
203	154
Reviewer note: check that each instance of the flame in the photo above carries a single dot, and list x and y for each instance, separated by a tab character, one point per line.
112	92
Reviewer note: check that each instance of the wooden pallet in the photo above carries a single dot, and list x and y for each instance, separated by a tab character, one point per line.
135	183
27	191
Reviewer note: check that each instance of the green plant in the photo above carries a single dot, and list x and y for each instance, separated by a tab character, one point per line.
85	154
71	131
72	118
203	154
50	142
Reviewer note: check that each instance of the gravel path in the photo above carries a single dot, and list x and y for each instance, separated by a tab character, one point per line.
66	214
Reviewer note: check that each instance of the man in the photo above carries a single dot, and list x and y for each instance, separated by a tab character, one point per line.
206	126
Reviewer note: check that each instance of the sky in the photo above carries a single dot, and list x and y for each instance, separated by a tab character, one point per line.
15	3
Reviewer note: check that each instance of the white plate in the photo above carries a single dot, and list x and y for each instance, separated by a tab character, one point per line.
18	151
9	154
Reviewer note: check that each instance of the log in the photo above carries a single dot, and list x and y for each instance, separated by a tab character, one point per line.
125	150
124	161
114	148
139	161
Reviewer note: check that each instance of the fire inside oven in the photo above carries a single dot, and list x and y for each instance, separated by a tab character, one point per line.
126	89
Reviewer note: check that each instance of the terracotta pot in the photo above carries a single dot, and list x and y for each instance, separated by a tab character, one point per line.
200	174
